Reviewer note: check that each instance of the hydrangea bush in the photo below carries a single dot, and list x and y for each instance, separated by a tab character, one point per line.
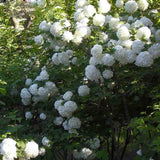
98	70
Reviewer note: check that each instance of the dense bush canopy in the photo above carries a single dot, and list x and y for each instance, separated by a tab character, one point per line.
80	79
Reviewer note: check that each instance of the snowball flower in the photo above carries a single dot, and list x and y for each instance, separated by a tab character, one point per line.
114	23
43	76
107	74
81	3
96	49
144	59
26	101
137	46
51	87
8	149
99	20
103	37
25	93
63	58
119	3
104	6
94	143
83	90
58	103
56	29
70	106
143	32
31	150
33	89
89	10
131	6
74	60
126	43
28	115
74	122
79	15
67	96
123	33
39	40
28	82
157	36
46	141
108	60
42	116
142	4
42	151
55	59
154	50
67	36
139	152
92	73
58	121
146	21
85	153
44	26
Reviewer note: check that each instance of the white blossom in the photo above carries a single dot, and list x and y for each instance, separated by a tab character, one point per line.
114	23
108	60
137	46
81	3
39	40
67	36
42	116
25	93
154	50
92	73
107	74
44	26
74	122
58	103
99	20
143	32
89	10
67	96
144	59
46	141
42	151
83	90
131	6
142	4
55	59
85	153
94	143
8	149
104	6
56	29
28	82
123	33
119	3
31	150
28	115
33	89
157	36
58	121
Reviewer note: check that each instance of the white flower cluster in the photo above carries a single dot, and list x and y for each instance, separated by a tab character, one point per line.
83	90
28	115
31	150
94	143
35	94
44	26
62	58
39	40
46	141
8	149
83	154
66	108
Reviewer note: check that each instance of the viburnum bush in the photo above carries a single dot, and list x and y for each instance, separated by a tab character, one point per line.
98	69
